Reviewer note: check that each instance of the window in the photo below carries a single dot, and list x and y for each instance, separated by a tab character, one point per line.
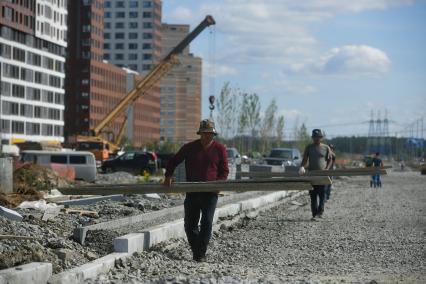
133	4
133	14
106	45
147	56
133	56
19	54
133	67
107	4
10	71
146	46
106	56
147	4
86	28
5	50
146	67
47	130
133	35
147	25
37	111
119	4
107	15
119	35
78	160
133	25
5	126
119	56
58	159
120	14
5	89
107	36
146	15
18	91
119	25
119	46
18	127
133	46
107	25
147	35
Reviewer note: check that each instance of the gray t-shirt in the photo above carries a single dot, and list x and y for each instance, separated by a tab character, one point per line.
317	155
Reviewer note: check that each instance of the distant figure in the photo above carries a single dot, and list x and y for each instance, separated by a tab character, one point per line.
205	160
319	157
332	167
377	163
402	165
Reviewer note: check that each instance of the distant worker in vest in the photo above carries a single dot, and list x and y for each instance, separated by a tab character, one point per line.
332	167
377	163
319	157
205	160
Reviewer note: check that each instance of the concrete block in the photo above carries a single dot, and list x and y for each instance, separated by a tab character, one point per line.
35	272
254	203
229	210
130	243
260	168
89	270
6	174
79	234
164	232
10	214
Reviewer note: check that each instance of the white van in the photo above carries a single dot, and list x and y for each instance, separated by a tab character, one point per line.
83	163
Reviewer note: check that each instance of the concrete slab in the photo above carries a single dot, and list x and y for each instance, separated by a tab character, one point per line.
88	271
35	272
130	243
229	210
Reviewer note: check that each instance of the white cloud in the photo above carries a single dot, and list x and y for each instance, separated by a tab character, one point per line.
219	70
182	13
290	114
347	60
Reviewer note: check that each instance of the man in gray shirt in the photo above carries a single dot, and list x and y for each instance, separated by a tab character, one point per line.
319	157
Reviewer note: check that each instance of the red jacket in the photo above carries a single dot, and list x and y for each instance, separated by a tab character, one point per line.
201	164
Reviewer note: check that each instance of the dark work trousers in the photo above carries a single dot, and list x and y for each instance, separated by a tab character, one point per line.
196	204
317	199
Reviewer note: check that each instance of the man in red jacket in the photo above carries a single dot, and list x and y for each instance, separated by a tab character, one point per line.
205	160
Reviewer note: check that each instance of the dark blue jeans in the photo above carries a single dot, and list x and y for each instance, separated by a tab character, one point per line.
196	204
317	199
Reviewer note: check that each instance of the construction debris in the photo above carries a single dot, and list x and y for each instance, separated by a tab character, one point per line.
81	212
10	214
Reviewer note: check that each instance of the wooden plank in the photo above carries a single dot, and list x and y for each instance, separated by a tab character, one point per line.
335	173
274	184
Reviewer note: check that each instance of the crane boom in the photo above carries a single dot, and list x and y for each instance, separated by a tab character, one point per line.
152	77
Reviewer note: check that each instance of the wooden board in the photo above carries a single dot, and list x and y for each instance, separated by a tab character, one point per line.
270	184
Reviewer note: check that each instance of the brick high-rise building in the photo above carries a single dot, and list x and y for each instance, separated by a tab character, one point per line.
180	90
94	87
32	56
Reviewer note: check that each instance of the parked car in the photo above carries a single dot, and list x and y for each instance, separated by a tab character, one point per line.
284	157
163	159
84	163
135	162
233	156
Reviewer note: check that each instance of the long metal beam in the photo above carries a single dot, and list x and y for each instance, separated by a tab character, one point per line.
271	184
322	173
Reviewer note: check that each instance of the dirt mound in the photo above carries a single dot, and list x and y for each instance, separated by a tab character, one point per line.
29	181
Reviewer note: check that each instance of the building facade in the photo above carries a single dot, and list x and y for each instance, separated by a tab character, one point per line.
180	90
32	57
94	86
132	33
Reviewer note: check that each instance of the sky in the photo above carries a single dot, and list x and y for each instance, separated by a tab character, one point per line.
327	63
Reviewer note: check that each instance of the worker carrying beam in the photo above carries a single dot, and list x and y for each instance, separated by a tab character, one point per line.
205	160
319	157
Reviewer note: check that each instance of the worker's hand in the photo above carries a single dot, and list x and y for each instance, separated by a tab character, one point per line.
167	181
302	171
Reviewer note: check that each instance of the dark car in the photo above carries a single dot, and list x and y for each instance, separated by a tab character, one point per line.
135	162
285	157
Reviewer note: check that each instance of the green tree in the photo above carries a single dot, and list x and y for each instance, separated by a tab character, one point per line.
268	124
280	130
224	111
250	115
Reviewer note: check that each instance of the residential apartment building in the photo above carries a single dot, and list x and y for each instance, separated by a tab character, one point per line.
132	33
32	57
180	90
94	86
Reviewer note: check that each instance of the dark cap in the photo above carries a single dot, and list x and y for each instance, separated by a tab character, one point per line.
316	133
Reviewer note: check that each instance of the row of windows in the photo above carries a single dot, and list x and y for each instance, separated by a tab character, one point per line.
91	28
131	25
129	36
130	56
28	75
16	17
91	55
28	57
132	4
29	4
29	93
145	46
31	41
59	3
30	128
31	111
49	13
131	15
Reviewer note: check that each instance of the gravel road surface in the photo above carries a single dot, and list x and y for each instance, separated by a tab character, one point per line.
367	236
